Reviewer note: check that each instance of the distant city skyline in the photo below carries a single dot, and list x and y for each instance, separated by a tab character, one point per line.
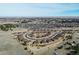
38	9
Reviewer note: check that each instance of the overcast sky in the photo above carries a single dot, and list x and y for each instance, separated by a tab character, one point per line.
24	9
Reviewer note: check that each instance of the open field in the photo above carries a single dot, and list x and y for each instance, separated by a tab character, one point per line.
10	46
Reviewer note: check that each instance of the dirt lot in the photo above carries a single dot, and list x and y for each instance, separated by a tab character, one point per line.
10	46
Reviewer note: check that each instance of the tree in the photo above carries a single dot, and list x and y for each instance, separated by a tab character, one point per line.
74	50
6	27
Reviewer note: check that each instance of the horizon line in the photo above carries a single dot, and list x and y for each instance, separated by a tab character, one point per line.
37	16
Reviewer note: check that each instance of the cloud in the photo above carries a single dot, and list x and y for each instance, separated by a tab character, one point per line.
39	9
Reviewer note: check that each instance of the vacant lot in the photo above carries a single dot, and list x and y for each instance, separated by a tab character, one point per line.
8	45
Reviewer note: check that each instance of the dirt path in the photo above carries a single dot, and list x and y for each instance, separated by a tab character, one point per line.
46	50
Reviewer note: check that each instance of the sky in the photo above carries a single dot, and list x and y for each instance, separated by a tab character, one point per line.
39	9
